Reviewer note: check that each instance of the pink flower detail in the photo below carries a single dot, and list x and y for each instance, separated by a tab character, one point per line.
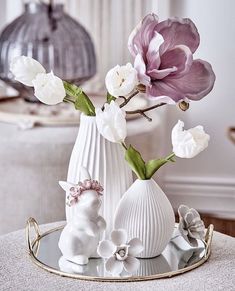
163	54
77	190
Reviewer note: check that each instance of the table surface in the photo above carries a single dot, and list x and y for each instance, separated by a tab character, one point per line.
17	271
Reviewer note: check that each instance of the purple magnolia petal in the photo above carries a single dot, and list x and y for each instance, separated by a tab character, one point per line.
196	84
180	57
179	31
160	74
141	36
153	56
162	92
140	67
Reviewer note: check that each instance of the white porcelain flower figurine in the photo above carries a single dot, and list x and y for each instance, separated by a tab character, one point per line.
120	253
188	143
111	122
25	69
49	88
121	80
191	227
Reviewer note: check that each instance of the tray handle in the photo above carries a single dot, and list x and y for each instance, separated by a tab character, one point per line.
31	222
231	133
208	239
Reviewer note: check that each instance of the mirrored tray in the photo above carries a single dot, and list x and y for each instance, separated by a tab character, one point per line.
177	258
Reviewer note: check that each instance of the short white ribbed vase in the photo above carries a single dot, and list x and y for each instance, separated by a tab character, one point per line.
146	213
105	162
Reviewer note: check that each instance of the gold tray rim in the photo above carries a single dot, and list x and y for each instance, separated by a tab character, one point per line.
31	244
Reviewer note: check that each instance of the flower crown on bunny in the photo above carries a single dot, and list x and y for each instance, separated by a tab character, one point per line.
76	190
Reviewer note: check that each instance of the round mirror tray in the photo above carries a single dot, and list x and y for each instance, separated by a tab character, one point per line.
177	258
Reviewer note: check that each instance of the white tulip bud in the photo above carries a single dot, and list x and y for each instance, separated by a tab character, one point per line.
188	143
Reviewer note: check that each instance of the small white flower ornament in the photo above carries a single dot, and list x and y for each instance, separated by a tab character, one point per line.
119	253
191	227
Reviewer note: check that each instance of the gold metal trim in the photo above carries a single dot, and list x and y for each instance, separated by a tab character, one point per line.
34	243
231	133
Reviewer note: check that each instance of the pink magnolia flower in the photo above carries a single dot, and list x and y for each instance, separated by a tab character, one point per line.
163	54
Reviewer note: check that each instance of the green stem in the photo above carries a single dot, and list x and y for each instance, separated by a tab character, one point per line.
170	156
124	145
69	100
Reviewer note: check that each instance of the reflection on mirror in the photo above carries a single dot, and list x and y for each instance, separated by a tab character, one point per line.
177	255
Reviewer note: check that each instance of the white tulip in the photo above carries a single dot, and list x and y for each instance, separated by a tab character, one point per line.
188	143
25	69
121	80
48	88
111	122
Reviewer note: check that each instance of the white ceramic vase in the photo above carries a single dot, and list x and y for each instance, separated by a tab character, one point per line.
105	162
145	212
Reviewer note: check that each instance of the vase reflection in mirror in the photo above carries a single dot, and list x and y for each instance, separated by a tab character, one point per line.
46	33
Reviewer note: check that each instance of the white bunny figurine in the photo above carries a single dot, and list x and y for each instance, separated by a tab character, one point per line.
80	237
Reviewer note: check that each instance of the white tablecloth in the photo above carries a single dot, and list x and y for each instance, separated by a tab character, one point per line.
17	271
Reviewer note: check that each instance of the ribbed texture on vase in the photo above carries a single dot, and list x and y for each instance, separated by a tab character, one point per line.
146	213
105	163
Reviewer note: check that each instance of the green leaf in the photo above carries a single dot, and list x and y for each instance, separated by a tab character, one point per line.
71	89
82	101
137	164
84	104
110	98
153	165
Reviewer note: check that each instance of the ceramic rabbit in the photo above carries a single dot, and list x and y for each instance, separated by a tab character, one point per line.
80	237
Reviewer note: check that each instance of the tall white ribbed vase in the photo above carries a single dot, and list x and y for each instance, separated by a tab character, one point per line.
105	162
146	213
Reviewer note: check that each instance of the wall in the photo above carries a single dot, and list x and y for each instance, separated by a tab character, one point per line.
208	181
109	23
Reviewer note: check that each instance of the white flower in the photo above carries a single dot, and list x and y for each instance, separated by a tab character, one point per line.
25	69
120	254
191	227
121	80
48	88
188	143
111	122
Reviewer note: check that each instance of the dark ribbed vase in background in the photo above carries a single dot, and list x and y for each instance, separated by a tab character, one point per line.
57	41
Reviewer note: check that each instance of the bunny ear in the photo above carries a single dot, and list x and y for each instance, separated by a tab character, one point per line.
65	185
84	174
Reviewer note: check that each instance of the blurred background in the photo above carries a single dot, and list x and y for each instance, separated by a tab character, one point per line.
36	141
